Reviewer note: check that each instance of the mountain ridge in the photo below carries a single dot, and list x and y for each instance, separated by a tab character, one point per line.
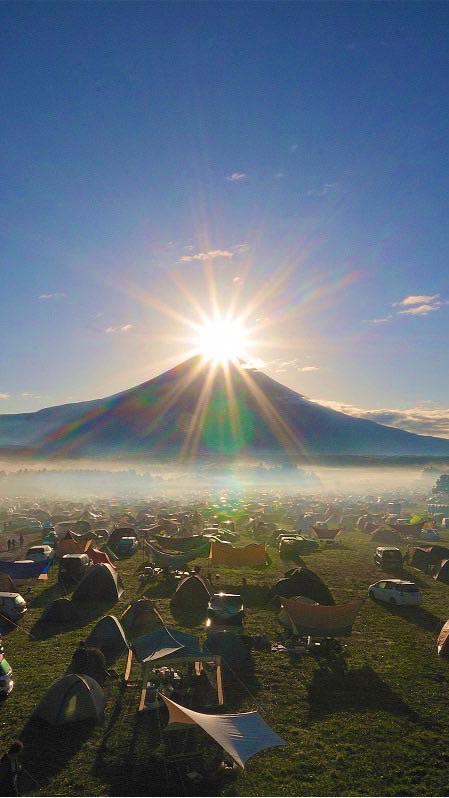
193	409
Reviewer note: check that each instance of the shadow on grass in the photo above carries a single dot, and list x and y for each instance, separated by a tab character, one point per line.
49	749
355	691
417	615
87	612
46	596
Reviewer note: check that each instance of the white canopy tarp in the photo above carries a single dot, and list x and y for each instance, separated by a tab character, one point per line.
241	736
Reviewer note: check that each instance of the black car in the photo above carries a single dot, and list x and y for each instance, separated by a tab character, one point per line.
388	557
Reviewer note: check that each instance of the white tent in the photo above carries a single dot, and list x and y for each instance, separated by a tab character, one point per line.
241	736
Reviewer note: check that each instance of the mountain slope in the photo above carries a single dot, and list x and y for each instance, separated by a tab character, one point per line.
193	409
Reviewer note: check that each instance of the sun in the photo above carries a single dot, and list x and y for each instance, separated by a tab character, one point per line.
222	340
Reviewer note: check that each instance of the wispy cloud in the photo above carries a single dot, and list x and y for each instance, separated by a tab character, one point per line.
385	320
29	395
240	249
419	305
205	256
55	295
122	328
257	363
293	147
279	175
308	368
5	395
237	176
281	366
237	279
323	191
420	420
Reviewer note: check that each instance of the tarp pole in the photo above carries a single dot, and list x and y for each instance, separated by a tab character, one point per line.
143	694
220	684
129	662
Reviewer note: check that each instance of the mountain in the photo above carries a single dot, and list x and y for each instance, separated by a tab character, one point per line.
193	409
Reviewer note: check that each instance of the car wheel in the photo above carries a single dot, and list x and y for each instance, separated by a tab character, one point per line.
371	595
393	602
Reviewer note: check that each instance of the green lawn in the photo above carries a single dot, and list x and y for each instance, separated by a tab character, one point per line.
381	728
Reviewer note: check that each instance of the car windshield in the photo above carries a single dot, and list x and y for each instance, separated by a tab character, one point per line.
391	555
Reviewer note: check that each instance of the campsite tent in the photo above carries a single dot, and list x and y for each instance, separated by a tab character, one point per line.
303	582
179	544
109	636
61	610
241	736
98	556
73	544
141	617
385	535
405	528
424	557
318	621
6	584
440	571
193	593
101	583
323	532
252	555
70	699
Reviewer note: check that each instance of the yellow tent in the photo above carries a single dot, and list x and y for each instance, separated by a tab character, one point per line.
253	554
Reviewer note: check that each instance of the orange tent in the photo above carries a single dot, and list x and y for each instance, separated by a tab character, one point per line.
253	554
70	546
318	620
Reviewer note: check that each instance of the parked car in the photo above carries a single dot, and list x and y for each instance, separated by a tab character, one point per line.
395	592
225	609
388	557
72	568
12	606
40	553
126	546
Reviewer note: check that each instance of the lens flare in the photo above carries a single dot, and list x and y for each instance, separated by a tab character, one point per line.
222	340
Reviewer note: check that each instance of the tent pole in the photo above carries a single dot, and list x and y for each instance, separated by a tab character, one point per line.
220	684
129	662
143	694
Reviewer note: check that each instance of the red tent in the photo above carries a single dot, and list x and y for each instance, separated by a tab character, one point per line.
98	556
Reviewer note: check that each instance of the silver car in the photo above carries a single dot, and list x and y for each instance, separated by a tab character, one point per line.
396	592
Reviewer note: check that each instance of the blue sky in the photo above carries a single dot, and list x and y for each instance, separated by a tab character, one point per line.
293	155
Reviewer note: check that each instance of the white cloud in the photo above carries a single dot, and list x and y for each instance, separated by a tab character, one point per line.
237	176
279	175
423	299
421	420
308	368
257	363
46	297
205	256
420	310
28	395
293	148
385	320
240	249
121	328
236	279
5	395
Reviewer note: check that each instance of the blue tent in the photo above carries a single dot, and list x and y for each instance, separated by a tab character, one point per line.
24	569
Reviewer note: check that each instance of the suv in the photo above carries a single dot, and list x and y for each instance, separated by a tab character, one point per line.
12	606
388	557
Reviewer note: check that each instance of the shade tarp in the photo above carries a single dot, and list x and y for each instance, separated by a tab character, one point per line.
223	554
322	621
443	640
23	569
171	560
324	533
162	644
241	736
179	544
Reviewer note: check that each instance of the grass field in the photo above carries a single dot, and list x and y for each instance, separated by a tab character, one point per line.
380	728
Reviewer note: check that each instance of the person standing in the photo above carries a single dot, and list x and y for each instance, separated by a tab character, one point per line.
10	768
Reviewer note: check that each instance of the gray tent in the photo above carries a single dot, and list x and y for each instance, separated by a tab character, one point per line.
101	583
70	699
61	610
231	648
109	636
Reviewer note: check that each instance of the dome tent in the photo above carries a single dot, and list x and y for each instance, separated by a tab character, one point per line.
70	699
61	610
193	592
303	582
109	636
101	583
